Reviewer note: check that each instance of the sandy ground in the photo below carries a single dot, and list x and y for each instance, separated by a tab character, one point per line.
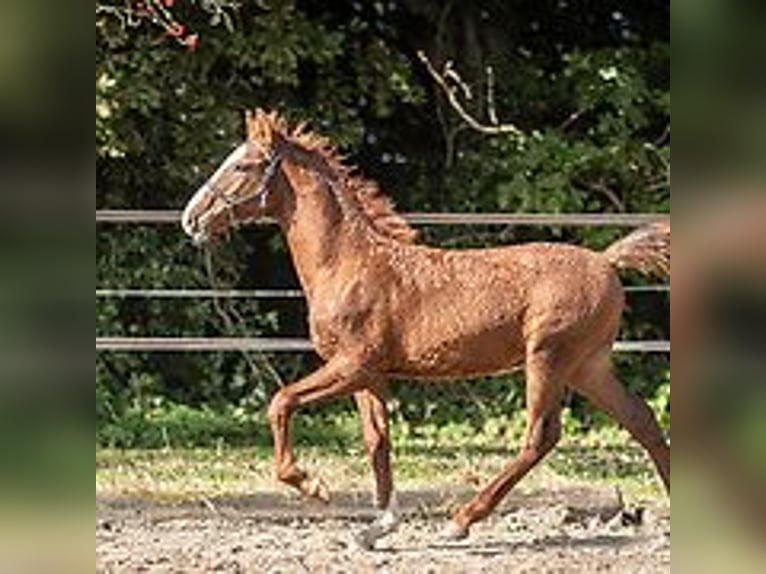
563	530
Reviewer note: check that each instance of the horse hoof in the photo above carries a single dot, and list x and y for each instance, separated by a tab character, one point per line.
323	492
316	488
453	531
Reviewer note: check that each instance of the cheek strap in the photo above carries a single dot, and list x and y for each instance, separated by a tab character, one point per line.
261	192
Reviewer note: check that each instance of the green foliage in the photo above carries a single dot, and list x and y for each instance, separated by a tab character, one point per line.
486	418
180	426
594	103
660	403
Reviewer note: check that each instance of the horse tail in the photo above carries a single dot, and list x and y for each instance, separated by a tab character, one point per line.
647	250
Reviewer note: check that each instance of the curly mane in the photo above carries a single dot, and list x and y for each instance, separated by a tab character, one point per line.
375	206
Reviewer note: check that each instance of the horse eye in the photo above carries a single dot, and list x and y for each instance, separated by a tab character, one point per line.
242	167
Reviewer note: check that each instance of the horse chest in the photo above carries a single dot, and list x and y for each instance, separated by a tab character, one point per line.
338	318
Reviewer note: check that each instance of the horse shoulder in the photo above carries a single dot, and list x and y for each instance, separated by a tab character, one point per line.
349	309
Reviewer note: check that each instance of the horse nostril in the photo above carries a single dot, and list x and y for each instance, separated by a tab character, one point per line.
189	223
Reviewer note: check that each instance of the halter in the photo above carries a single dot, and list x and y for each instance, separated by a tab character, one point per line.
275	159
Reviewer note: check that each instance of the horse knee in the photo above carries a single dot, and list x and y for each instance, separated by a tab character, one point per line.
280	406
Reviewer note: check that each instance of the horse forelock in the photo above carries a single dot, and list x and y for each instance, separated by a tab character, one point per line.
375	206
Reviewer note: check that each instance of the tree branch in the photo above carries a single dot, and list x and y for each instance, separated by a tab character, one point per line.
452	97
601	187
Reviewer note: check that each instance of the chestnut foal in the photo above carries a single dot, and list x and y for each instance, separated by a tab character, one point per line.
382	307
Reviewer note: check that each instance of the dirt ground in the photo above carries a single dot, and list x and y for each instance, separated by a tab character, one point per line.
565	530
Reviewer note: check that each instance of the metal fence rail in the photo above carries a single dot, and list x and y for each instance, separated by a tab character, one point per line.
282	344
201	293
263	293
265	344
169	216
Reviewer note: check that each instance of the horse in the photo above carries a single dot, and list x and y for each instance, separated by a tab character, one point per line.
382	307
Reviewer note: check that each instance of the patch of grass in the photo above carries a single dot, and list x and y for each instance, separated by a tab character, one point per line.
171	426
424	456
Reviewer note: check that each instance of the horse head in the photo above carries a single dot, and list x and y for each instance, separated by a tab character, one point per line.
243	188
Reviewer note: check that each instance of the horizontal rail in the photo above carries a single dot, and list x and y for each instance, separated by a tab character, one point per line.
282	344
276	345
642	346
262	293
202	293
170	216
138	216
573	219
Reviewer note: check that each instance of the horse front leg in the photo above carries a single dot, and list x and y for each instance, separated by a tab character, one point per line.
340	376
377	444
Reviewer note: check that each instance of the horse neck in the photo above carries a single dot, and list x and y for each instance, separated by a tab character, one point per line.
318	227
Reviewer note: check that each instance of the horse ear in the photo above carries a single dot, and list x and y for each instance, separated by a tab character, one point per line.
263	127
250	123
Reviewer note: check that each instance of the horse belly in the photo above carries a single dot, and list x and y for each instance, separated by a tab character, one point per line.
436	354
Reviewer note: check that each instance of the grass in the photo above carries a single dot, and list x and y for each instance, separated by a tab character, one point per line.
427	456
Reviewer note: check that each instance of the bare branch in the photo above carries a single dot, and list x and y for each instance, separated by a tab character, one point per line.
454	101
612	196
450	73
491	112
573	117
661	139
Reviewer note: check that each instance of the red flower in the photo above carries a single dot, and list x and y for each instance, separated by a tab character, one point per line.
168	3
191	41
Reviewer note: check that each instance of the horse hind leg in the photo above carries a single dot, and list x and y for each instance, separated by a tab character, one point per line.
596	381
544	394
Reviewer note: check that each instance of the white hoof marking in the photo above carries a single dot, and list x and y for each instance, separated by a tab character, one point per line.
386	522
453	531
